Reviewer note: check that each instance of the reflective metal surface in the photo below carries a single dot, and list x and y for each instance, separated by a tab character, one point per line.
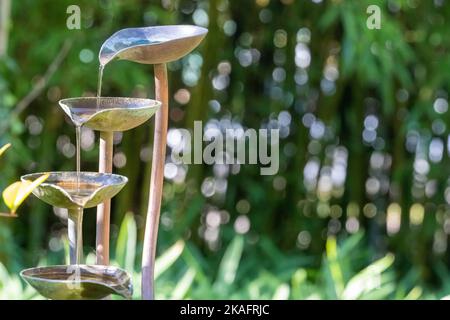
59	189
109	113
152	45
79	282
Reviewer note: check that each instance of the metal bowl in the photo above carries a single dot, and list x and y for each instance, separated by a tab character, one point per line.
152	45
96	186
109	113
79	282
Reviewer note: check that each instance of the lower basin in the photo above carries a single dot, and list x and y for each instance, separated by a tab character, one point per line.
79	282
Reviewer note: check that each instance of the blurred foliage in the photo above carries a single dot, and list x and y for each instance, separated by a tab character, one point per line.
364	155
181	274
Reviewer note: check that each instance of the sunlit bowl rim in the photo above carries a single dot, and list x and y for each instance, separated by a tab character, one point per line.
156	103
123	178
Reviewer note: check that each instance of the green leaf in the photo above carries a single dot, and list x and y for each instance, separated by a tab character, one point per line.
414	294
282	292
350	244
335	268
126	242
367	279
298	279
184	285
195	260
230	261
168	258
329	18
380	293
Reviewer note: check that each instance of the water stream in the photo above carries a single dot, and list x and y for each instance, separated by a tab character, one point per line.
81	194
78	118
78	142
99	83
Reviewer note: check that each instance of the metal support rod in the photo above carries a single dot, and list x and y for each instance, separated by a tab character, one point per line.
75	234
104	209
156	182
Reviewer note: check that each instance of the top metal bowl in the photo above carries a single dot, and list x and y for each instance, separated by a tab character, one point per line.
109	113
58	189
152	45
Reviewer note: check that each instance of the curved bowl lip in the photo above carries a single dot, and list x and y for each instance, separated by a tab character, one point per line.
25	276
201	33
155	103
123	178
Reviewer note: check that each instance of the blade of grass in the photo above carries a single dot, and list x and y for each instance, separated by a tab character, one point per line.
230	262
168	258
193	260
367	279
282	292
184	284
126	242
335	268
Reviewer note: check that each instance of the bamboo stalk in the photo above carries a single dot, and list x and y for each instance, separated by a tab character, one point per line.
156	182
104	209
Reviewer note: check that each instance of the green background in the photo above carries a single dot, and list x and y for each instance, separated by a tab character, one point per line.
360	205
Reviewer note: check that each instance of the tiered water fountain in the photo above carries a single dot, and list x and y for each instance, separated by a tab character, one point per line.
78	190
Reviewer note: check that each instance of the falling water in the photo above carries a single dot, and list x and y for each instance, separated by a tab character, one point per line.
78	121
99	83
78	138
